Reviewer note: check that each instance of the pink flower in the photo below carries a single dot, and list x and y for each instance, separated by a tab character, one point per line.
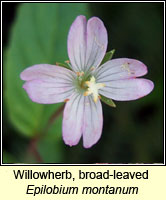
82	86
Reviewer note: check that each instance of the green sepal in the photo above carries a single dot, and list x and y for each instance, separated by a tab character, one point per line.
63	65
108	101
108	56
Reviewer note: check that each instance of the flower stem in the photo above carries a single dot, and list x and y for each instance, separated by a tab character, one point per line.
53	117
32	147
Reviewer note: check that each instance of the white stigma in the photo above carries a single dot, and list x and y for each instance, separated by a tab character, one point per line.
93	88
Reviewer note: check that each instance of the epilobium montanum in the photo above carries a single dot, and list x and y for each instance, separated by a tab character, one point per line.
87	82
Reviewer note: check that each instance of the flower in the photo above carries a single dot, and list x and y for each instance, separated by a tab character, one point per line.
82	86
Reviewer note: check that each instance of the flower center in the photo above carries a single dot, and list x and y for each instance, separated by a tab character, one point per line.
93	88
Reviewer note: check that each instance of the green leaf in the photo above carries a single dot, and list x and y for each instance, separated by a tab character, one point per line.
108	101
39	35
108	56
8	158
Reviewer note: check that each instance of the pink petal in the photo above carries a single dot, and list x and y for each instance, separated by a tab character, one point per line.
45	92
48	84
127	89
73	120
93	122
121	68
97	40
47	72
87	43
77	43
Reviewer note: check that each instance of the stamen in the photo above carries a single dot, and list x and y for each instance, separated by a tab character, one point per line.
92	68
80	73
87	83
67	61
87	93
66	100
95	98
93	88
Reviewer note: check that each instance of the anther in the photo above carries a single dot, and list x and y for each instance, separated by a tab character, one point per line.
66	100
80	73
67	61
92	68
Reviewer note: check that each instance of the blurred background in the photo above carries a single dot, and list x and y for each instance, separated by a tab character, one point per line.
37	33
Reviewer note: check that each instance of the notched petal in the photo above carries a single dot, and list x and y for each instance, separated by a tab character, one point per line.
48	84
87	43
